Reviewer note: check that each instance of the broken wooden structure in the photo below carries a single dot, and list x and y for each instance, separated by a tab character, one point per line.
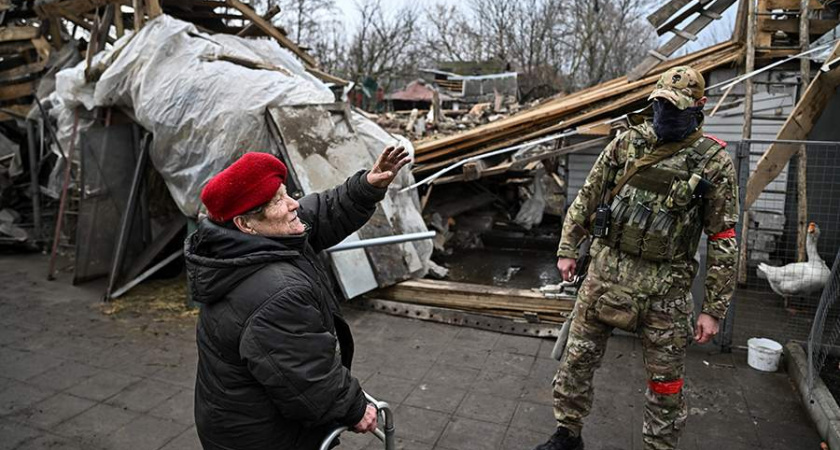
781	28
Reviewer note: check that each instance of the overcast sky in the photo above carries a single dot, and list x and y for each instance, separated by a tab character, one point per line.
718	30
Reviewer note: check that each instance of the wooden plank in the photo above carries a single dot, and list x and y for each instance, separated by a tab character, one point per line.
16	91
802	163
677	41
22	71
119	22
252	29
268	29
13	112
18	33
740	33
746	133
153	8
770	5
799	123
818	27
324	76
671	24
14	48
661	15
475	297
84	24
139	14
75	7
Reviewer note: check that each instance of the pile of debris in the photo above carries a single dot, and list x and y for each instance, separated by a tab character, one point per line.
125	136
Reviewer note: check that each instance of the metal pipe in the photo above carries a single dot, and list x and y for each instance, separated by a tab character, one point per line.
140	278
128	217
381	241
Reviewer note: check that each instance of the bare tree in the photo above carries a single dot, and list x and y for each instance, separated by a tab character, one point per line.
452	36
383	45
312	24
604	40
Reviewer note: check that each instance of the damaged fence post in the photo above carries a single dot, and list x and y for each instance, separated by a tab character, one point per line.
398	239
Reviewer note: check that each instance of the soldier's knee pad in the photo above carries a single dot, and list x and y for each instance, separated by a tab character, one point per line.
666	387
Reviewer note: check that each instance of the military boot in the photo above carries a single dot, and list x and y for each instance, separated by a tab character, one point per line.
562	439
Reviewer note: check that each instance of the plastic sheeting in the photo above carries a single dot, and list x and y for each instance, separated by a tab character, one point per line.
203	113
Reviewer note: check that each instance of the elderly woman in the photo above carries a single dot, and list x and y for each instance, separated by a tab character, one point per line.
274	350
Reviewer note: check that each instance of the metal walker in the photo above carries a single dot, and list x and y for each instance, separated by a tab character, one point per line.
386	435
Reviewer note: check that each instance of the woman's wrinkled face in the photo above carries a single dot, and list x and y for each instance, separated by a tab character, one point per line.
278	218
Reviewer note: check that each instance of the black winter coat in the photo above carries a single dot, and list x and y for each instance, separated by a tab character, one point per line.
274	350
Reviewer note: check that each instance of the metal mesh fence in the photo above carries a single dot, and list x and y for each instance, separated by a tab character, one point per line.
823	341
785	244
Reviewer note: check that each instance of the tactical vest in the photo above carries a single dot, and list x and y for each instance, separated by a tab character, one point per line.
657	214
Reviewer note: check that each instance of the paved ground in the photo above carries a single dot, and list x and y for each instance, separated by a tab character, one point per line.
73	378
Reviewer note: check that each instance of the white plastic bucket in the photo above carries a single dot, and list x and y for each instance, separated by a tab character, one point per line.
764	354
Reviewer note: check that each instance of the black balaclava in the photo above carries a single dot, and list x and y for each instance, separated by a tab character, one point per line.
672	124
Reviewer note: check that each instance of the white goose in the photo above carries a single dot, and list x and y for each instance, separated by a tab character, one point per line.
801	278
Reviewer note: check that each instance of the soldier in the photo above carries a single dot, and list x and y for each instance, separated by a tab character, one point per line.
651	193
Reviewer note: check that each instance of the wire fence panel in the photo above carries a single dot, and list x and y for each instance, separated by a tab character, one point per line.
823	340
787	244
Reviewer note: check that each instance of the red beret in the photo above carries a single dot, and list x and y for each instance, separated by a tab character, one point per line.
249	182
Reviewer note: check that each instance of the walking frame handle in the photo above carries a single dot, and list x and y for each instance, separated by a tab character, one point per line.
386	435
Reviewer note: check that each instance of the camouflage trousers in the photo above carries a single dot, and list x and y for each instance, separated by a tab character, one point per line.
665	327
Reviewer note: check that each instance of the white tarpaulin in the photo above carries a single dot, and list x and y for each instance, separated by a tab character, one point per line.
204	112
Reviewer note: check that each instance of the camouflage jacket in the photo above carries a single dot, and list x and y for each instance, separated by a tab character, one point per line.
720	215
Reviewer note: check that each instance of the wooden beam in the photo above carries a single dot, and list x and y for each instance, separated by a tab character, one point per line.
139	14
154	8
13	112
270	30
739	34
16	47
817	27
508	302
252	29
799	123
119	22
22	71
661	15
18	33
75	7
677	41
84	24
16	91
802	161
671	24
770	5
324	76
54	25
746	133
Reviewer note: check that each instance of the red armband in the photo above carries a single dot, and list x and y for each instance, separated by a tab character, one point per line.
666	387
730	233
716	139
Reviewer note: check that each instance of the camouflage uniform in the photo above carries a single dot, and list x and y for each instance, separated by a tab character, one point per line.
658	289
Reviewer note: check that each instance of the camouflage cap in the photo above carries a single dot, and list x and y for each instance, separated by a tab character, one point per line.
681	85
